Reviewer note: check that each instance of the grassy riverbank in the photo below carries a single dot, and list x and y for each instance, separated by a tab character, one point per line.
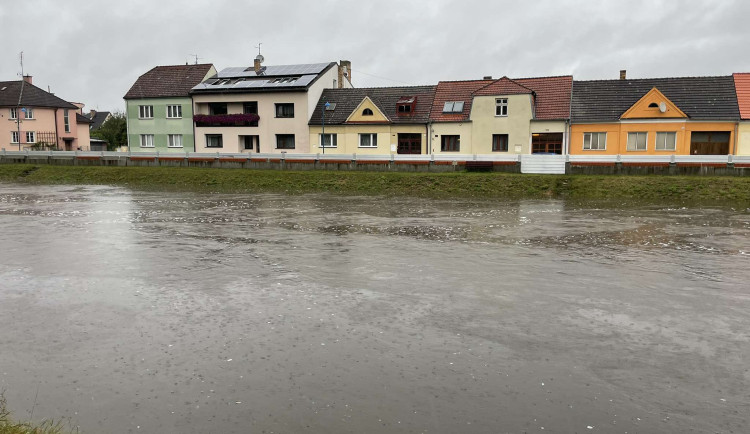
9	426
733	191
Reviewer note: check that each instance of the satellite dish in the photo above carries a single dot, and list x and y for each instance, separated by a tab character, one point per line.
259	58
662	107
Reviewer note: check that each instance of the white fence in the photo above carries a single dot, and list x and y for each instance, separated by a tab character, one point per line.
528	163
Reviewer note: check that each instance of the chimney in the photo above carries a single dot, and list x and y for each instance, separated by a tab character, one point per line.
345	70
487	77
256	63
28	79
623	74
92	114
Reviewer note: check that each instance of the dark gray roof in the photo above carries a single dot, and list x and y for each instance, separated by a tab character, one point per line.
701	98
98	119
82	119
384	98
32	96
269	78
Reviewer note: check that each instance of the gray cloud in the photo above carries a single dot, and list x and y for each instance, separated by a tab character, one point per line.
92	52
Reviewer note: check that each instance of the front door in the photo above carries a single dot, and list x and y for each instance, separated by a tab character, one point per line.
546	143
709	143
410	143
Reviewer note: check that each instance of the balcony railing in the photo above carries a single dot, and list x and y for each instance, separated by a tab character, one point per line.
233	120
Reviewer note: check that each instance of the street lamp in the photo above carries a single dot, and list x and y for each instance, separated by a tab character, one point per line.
323	122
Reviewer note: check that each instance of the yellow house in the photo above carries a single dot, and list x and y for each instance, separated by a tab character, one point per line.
681	116
516	116
375	121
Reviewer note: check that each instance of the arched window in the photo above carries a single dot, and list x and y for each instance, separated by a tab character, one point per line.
653	105
366	112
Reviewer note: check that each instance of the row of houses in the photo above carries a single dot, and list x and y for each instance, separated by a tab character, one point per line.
314	108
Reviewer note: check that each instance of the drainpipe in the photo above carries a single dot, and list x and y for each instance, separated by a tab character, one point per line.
57	137
429	137
736	137
18	114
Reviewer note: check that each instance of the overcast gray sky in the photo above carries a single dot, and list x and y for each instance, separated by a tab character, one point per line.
92	51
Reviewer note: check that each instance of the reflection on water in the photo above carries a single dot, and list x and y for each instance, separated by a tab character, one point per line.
178	312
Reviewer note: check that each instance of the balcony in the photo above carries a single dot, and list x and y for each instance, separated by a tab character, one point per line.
229	120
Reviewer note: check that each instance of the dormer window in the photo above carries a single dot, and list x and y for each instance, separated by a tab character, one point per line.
453	107
367	112
405	105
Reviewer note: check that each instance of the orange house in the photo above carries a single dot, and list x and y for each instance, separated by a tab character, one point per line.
681	116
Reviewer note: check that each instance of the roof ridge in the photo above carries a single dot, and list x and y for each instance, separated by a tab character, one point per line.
653	78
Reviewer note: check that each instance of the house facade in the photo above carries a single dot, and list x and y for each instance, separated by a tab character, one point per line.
376	121
32	118
262	108
159	109
501	116
742	89
661	116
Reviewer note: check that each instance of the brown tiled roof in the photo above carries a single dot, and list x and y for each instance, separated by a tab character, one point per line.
503	86
552	95
385	98
32	96
742	88
455	91
168	81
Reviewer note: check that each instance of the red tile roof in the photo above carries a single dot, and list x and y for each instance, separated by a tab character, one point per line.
552	99
552	95
455	91
168	81
503	86
742	87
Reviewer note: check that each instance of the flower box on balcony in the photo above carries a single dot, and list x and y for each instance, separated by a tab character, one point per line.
233	120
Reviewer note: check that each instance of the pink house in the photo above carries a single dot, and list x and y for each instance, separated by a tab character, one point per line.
32	118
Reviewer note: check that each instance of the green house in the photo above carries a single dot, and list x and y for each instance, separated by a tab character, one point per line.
160	111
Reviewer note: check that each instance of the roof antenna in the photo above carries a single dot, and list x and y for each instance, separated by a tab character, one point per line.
21	56
258	47
196	57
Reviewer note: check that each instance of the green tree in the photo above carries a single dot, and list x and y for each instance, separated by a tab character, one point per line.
114	131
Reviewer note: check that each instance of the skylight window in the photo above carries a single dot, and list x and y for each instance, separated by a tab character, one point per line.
453	107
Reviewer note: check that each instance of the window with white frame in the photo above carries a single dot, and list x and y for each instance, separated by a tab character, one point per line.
29	113
174	111
13	113
328	140
30	137
14	136
637	141
147	140
145	112
66	120
368	140
666	141
501	107
594	141
174	140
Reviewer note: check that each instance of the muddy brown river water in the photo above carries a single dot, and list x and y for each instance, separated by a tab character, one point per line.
140	312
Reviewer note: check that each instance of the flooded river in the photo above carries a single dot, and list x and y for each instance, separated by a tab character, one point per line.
138	312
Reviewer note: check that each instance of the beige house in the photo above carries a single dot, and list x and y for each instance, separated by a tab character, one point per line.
376	121
262	108
517	116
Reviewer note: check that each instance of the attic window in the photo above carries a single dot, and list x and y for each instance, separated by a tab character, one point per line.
653	105
285	80
367	112
453	107
405	105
